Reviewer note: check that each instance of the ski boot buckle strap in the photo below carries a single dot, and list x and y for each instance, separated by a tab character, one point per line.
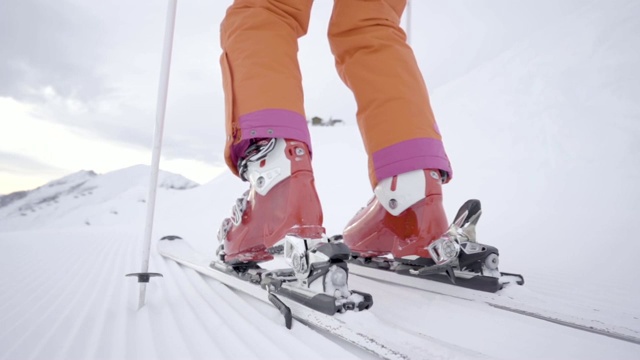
258	150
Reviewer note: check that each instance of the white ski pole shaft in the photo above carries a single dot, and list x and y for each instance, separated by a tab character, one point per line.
161	106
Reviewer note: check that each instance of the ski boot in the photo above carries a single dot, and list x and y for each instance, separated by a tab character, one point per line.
281	213
281	200
404	229
400	222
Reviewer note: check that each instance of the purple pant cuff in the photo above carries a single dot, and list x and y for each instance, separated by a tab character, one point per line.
409	155
270	123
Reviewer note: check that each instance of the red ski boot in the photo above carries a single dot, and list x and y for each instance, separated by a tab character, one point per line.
404	230
281	213
402	220
282	200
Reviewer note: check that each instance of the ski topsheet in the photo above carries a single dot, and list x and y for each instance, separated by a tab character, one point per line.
513	298
361	329
463	279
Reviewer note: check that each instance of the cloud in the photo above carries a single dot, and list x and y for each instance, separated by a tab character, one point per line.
46	42
33	151
93	66
25	165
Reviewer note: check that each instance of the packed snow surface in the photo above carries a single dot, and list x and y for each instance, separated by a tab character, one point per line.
545	135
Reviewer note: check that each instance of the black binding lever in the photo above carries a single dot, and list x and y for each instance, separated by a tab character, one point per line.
284	309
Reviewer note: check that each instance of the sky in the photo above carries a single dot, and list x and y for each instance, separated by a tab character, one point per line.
78	79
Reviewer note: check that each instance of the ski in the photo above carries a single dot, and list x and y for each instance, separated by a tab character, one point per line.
446	274
510	297
461	267
302	309
456	257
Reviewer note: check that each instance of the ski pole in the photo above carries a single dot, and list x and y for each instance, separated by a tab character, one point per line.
144	275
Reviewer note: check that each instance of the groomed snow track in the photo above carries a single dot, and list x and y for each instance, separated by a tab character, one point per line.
64	296
81	306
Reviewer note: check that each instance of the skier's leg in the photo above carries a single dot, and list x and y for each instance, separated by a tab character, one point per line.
407	160
261	75
394	115
268	141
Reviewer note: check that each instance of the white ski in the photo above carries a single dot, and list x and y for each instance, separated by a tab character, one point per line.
512	298
345	326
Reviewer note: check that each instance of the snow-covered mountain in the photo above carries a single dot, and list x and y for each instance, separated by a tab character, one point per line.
545	135
96	199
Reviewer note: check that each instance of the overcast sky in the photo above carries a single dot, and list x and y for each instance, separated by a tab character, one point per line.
78	79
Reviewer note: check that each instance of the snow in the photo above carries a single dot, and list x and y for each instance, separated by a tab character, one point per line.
552	125
84	198
544	134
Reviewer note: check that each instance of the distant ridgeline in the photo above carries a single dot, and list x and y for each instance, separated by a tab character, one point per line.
318	121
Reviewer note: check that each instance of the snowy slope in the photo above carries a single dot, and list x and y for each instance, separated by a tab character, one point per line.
84	195
546	135
64	296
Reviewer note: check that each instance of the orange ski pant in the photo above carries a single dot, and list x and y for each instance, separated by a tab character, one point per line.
263	84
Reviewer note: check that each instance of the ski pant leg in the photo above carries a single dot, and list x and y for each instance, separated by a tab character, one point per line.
373	59
261	76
